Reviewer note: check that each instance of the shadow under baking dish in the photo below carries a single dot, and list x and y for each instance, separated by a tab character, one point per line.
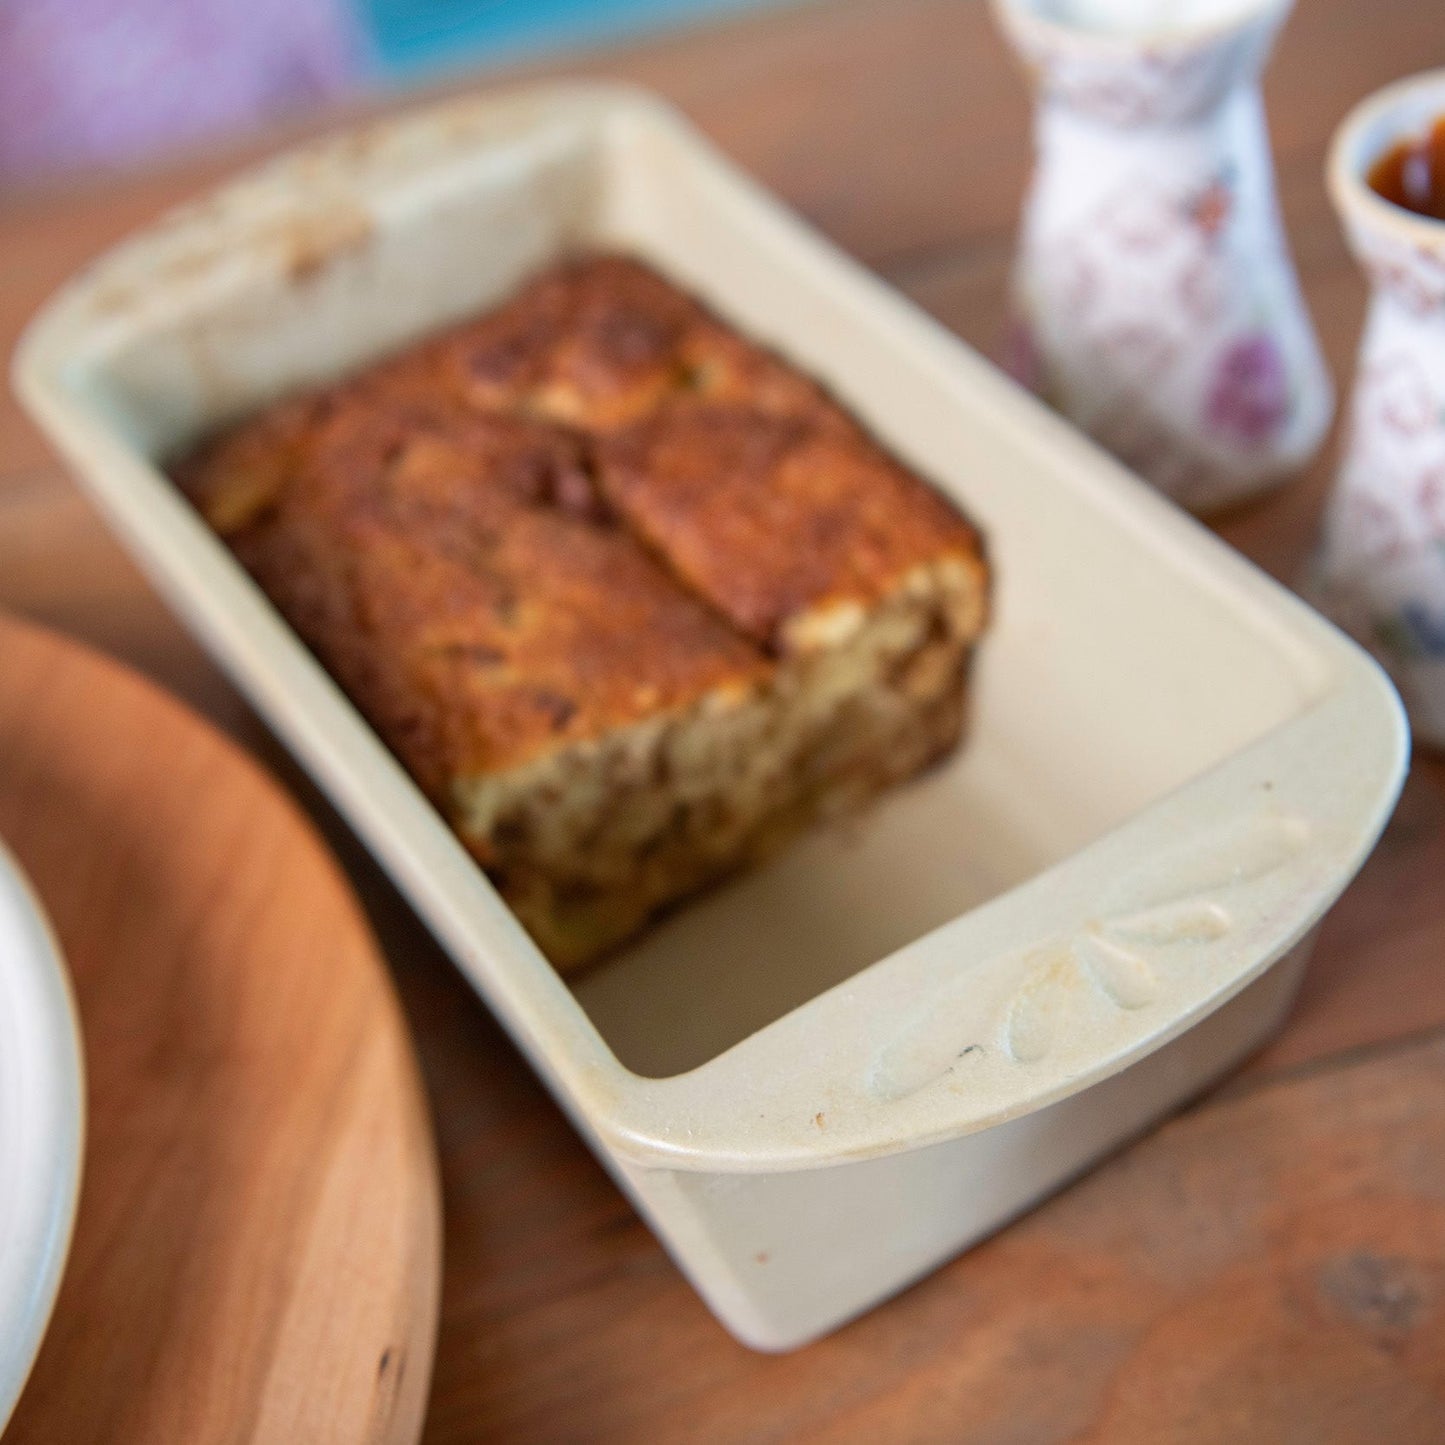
1118	666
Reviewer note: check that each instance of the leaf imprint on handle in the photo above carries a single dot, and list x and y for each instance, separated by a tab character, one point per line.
1126	976
1173	923
1239	854
1170	908
1040	1006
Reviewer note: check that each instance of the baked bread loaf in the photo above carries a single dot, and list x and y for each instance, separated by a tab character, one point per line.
632	598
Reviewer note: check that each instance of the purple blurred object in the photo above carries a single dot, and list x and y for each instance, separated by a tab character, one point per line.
101	82
1249	398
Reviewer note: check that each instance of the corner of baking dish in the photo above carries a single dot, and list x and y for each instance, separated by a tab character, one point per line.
1046	989
299	207
1065	980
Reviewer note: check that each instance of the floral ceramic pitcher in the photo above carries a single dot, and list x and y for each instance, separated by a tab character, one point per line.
1380	570
1155	301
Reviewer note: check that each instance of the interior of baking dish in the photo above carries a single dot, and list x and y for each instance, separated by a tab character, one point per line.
1117	667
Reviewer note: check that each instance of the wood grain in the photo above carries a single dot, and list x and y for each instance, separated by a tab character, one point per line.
1266	1268
256	1254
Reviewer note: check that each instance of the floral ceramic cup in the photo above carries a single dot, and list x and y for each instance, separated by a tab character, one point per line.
1380	568
1155	301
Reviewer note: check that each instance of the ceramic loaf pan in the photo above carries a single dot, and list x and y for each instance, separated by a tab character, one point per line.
830	1076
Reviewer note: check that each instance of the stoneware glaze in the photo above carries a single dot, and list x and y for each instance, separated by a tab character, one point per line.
1155	302
1380	569
821	1081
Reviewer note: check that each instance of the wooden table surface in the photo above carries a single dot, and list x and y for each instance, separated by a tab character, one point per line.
1270	1266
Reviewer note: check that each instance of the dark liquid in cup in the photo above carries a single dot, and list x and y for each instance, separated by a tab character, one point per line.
1412	173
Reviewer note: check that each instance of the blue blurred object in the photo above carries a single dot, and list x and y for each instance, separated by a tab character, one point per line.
414	36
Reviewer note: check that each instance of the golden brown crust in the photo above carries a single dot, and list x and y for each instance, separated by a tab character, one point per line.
600	342
581	561
759	490
772	517
463	587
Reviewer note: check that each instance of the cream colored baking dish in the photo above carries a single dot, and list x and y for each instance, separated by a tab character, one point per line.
823	1080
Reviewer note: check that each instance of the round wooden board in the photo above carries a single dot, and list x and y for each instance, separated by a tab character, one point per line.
257	1250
